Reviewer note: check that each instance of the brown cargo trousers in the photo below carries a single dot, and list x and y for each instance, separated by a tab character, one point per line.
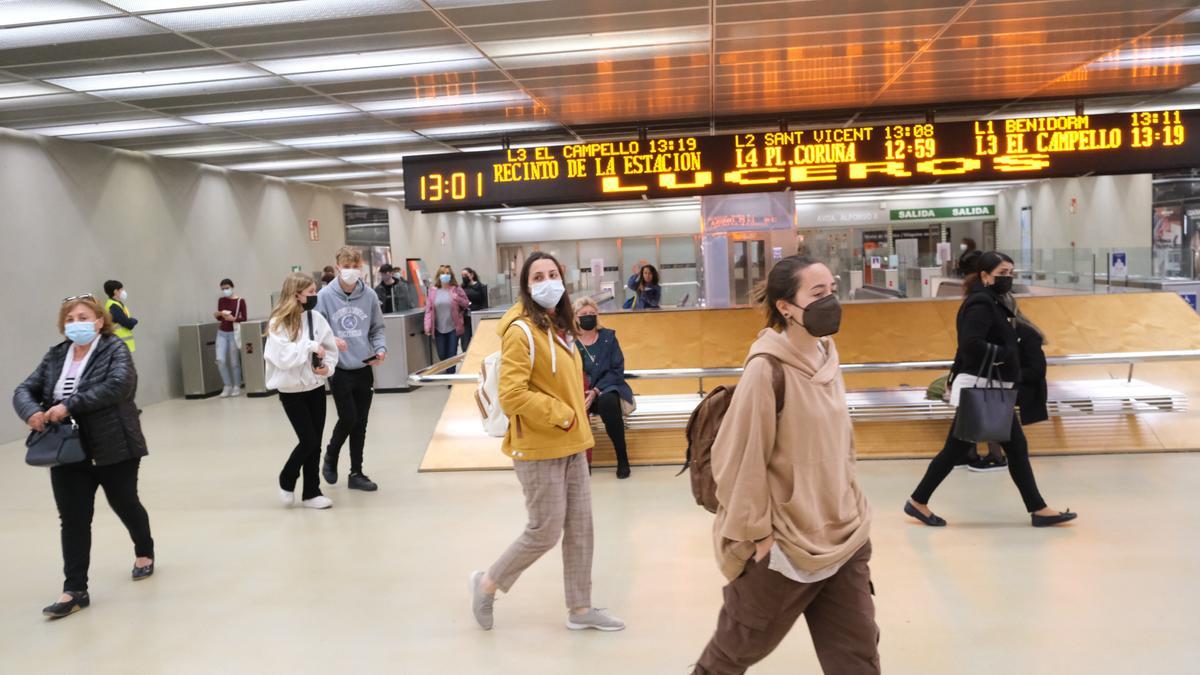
762	605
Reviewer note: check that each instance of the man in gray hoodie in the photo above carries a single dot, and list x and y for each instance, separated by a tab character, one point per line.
353	311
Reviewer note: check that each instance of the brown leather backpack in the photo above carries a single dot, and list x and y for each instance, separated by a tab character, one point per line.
702	430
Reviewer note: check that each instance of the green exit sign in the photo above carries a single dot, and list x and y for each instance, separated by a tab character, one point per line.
297	268
943	212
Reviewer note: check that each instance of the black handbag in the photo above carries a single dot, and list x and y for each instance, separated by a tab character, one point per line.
55	445
985	412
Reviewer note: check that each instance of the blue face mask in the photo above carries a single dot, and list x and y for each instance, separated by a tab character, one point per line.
227	292
80	332
445	278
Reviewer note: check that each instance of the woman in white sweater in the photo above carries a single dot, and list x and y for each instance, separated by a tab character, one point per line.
301	354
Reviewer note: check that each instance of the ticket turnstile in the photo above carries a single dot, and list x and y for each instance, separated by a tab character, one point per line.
254	367
198	359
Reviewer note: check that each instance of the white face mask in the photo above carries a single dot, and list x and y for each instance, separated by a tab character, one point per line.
962	247
351	275
123	295
548	293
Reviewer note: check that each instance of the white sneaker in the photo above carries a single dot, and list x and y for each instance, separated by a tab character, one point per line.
595	618
225	392
287	498
237	391
318	502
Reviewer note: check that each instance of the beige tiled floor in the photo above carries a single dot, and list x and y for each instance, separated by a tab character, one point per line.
378	584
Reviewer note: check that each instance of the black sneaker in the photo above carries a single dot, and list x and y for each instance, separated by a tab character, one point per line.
329	472
359	481
988	464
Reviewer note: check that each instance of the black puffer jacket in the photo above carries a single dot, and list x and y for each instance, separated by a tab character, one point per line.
102	404
984	320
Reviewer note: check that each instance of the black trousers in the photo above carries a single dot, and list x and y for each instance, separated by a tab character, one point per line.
306	412
75	494
608	407
468	333
352	394
954	450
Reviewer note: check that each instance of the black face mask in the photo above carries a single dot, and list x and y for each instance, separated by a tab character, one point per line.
310	303
822	317
1001	285
588	322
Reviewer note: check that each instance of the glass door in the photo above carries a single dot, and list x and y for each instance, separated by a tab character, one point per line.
748	267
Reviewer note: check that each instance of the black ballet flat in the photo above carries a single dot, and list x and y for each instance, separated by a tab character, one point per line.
140	573
932	520
78	601
1051	521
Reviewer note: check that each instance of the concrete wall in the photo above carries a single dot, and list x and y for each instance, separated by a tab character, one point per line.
75	214
1112	212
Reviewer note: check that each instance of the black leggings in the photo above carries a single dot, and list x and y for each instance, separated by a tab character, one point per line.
608	407
1019	467
75	493
306	412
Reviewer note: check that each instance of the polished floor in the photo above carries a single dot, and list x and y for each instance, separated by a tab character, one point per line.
378	583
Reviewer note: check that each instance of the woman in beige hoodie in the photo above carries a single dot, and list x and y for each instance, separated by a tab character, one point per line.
792	529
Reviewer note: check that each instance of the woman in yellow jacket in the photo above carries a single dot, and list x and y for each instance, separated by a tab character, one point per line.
541	392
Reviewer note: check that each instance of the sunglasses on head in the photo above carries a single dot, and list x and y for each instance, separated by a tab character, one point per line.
85	296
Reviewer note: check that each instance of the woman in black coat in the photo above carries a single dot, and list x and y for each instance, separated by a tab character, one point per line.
477	293
608	394
984	321
90	378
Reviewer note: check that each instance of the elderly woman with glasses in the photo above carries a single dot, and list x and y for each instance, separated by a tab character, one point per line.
89	380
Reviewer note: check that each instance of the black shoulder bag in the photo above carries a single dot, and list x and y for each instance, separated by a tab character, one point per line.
985	411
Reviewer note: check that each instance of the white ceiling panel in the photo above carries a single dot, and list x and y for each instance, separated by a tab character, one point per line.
339	91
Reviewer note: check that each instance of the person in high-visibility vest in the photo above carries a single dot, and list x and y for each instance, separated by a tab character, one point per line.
121	317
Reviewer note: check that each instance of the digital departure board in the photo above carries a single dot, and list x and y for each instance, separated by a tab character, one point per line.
808	159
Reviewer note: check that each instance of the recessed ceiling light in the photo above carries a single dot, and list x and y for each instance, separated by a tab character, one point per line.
162	5
76	31
383	157
213	149
375	186
296	11
651	39
109	127
150	78
285	164
390	193
425	102
482	129
358	60
343	175
20	13
350	140
270	114
21	89
386	72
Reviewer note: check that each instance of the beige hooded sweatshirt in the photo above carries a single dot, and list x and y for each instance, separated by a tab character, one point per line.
795	479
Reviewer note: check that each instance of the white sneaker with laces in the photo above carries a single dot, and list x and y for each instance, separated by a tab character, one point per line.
225	392
287	498
318	502
236	391
594	618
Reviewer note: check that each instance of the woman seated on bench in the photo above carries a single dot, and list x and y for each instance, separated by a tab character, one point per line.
608	394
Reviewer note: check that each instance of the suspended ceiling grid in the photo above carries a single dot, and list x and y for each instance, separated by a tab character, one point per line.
335	92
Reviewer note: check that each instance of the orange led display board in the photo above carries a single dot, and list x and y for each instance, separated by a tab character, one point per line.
871	156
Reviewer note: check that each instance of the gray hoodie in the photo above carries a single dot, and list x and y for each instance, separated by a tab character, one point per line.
355	318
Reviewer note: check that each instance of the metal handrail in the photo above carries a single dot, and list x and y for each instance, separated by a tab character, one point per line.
429	376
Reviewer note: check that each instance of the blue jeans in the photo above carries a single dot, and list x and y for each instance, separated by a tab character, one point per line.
447	346
229	359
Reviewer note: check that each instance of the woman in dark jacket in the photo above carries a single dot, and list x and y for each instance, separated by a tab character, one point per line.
90	378
608	395
984	321
477	293
646	287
